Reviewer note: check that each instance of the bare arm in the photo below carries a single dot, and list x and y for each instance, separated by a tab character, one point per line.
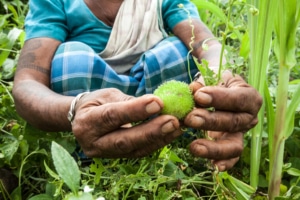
34	100
202	34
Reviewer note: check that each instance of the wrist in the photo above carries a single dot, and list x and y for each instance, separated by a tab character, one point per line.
71	113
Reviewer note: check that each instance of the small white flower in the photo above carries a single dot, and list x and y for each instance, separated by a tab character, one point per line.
87	189
100	198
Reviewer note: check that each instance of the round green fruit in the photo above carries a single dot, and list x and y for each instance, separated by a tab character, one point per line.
177	97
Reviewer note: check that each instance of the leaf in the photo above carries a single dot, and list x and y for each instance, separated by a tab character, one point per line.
174	158
8	149
81	196
8	69
98	168
13	35
52	173
294	172
245	46
66	167
217	11
286	27
270	114
41	197
212	8
290	113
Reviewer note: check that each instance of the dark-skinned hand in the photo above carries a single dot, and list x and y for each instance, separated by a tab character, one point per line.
100	124
235	106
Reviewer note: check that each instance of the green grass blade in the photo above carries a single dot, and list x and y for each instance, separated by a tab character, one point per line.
212	8
270	113
295	101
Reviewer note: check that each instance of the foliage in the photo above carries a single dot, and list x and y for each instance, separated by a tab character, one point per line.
44	162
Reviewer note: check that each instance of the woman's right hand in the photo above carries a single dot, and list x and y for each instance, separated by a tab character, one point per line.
101	124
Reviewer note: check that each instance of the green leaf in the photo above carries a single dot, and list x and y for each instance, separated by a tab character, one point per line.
217	11
245	46
80	196
294	172
41	197
98	168
286	27
270	114
290	113
13	35
212	8
52	173
174	158
8	68
9	148
66	167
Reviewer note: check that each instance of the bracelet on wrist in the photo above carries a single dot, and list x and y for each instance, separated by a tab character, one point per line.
71	113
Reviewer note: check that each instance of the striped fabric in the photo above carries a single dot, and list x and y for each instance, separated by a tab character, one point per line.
77	68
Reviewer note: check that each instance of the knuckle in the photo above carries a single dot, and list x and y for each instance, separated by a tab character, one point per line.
214	121
236	121
242	122
216	153
243	101
151	137
109	117
123	145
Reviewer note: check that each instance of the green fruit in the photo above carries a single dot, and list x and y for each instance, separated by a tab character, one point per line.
177	97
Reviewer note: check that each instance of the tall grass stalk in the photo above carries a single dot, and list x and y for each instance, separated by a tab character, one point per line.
284	47
260	34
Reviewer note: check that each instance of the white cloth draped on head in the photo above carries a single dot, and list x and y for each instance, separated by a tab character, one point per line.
138	27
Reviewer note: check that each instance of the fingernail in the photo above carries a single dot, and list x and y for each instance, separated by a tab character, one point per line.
168	128
197	121
221	167
153	107
204	98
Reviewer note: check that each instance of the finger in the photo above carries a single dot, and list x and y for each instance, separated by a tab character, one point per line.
195	85
136	141
238	99
224	165
227	147
214	135
110	116
220	121
109	95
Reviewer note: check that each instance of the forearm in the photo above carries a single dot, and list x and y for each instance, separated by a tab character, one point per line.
195	38
41	107
34	100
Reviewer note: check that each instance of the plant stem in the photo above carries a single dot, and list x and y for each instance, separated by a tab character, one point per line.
276	154
260	31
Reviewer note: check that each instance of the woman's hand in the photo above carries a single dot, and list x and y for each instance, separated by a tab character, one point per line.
234	106
101	124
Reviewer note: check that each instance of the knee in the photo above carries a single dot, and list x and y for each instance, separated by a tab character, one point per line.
72	67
